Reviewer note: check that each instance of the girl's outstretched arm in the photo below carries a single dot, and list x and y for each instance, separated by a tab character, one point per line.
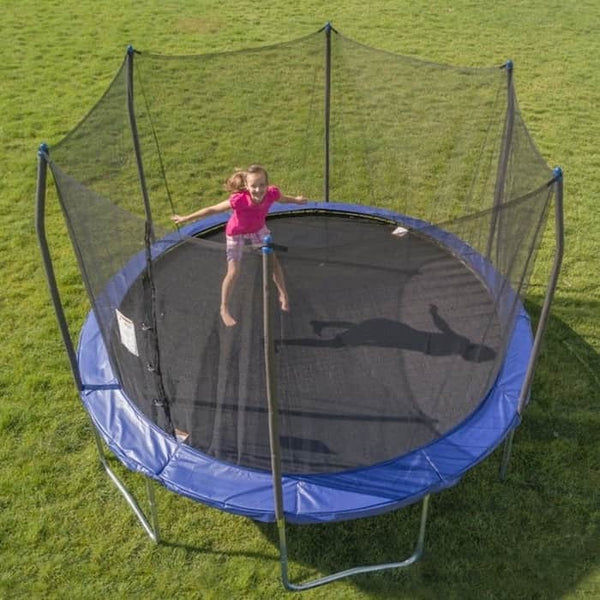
293	199
203	212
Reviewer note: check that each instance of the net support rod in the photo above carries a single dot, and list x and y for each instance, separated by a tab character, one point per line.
40	223
136	139
275	447
328	28
40	226
267	264
503	160
274	442
542	322
149	238
150	526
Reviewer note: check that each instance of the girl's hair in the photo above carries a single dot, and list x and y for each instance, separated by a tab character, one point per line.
237	181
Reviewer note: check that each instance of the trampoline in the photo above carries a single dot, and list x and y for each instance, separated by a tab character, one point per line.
406	356
408	387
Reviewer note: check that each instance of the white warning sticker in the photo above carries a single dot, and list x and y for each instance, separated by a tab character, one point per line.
127	333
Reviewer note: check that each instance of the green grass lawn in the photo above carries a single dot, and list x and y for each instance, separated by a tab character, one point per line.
64	529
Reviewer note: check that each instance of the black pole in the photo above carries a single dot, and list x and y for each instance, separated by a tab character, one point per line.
559	229
328	29
161	400
271	386
558	257
503	160
273	407
40	226
136	139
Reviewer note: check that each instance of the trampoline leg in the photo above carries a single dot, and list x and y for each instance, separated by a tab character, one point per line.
151	529
506	455
413	558
153	509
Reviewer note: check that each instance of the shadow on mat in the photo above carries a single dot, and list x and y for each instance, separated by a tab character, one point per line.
387	333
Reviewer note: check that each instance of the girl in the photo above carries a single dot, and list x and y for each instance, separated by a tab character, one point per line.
250	199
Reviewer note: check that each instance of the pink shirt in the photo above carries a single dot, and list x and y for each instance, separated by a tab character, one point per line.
249	217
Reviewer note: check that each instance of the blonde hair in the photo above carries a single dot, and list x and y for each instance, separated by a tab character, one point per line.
237	181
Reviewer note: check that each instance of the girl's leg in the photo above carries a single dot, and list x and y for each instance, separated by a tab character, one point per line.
233	270
280	283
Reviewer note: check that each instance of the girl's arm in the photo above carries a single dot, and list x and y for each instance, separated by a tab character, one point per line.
292	199
203	212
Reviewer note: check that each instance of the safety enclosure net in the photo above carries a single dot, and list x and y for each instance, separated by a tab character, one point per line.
391	341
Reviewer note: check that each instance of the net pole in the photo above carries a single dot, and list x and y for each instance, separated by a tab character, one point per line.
559	229
328	29
136	140
503	161
558	257
40	226
161	400
273	408
275	449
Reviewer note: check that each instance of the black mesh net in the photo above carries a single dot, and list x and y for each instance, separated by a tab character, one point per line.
390	341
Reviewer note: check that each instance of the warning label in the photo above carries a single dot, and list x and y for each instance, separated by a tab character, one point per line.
127	333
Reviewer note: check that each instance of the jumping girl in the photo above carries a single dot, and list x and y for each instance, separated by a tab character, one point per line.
250	199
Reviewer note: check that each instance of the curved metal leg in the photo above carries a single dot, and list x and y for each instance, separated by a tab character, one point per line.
414	557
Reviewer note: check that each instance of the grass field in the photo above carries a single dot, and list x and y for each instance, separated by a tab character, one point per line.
65	531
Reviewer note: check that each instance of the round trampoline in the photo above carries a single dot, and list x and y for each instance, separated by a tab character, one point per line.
406	356
398	368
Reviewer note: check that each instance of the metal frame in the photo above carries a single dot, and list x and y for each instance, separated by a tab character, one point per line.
150	526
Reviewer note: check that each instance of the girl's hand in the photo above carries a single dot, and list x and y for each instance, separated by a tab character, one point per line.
301	200
178	219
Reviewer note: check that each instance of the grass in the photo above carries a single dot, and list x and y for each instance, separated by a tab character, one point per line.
65	532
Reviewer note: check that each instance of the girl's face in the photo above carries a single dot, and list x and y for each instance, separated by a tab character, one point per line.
256	183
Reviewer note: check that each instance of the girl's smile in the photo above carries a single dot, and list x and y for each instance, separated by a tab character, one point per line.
256	184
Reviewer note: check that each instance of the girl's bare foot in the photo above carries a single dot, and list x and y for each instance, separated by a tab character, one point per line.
284	302
227	318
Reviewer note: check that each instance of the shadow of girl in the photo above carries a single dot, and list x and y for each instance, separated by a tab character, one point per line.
387	333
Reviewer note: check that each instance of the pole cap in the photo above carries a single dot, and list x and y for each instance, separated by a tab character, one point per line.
267	249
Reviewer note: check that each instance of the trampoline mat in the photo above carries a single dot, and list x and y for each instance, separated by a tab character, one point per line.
390	343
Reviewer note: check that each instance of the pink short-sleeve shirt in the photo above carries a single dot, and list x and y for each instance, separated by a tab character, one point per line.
249	217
